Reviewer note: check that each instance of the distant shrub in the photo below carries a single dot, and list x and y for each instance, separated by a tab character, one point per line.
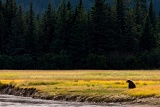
149	60
116	61
95	61
6	62
54	61
25	61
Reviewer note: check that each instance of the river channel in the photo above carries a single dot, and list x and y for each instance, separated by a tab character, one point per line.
16	101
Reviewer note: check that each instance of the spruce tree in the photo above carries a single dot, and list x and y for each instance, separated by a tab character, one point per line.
102	28
131	39
137	12
158	23
152	14
1	5
110	40
148	39
38	32
61	27
120	25
98	20
9	13
2	24
69	25
143	10
77	41
143	4
158	29
29	43
140	11
48	29
64	25
16	40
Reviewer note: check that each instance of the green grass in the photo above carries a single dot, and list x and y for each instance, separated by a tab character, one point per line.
86	83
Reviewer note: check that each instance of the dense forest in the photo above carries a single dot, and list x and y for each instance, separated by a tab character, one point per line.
39	6
106	36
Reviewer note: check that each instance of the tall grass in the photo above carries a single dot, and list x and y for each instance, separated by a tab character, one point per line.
82	82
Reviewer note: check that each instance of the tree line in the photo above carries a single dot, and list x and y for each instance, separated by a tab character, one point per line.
105	37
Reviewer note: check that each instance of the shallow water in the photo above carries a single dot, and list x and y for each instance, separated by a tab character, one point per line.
16	101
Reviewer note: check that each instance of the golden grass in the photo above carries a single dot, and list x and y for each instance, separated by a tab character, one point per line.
148	91
82	82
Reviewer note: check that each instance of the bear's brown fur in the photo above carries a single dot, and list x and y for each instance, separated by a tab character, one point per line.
131	85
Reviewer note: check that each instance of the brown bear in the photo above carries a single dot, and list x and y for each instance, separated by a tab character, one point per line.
131	85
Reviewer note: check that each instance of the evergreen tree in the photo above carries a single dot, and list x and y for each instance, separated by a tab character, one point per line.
102	28
77	41
69	25
137	12
152	14
10	9
131	38
48	29
143	9
2	24
69	5
39	34
80	10
158	29
140	11
148	39
158	23
98	18
120	25
1	6
61	27
30	38
64	25
16	39
110	39
89	32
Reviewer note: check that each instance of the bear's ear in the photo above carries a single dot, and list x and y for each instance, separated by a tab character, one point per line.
128	81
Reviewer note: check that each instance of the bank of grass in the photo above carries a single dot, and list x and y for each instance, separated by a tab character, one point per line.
109	85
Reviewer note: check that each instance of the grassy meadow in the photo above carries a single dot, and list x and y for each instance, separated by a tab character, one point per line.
86	82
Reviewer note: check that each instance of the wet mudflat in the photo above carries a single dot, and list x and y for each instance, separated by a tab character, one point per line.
16	101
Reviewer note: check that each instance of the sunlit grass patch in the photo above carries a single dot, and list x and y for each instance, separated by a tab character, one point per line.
43	83
80	87
85	83
147	91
